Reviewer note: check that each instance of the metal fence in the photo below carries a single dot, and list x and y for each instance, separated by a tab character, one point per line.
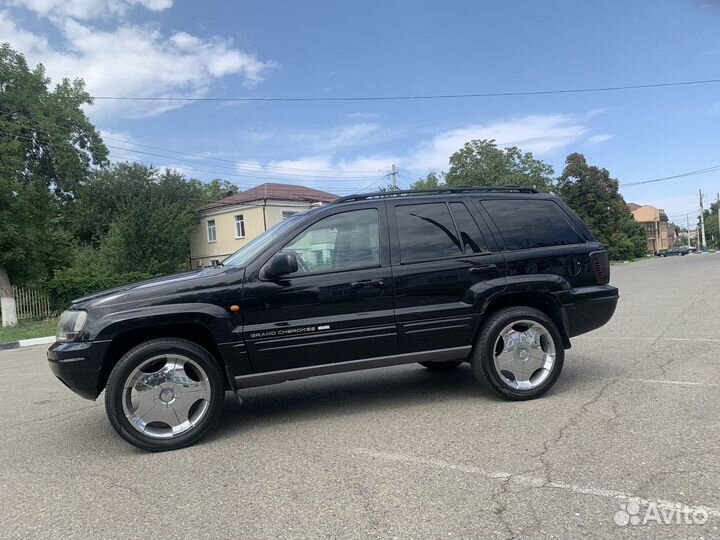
31	304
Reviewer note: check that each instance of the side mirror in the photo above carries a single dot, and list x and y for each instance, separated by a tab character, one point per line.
280	265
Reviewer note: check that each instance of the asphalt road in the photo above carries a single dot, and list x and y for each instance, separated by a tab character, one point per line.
403	452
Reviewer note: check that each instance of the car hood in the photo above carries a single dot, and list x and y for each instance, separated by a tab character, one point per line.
172	286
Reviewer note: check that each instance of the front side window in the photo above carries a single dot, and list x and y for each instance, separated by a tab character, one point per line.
426	232
338	242
525	223
211	232
239	226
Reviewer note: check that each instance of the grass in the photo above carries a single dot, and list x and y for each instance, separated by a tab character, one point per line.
28	329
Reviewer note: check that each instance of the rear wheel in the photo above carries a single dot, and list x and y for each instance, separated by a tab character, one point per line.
519	353
164	394
440	366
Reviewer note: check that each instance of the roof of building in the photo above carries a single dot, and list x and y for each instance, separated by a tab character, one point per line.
633	206
648	213
274	192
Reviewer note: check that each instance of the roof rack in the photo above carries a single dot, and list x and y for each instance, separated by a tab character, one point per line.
435	191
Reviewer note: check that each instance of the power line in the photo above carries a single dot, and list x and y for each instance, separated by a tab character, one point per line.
222	173
251	166
681	175
259	175
258	171
413	97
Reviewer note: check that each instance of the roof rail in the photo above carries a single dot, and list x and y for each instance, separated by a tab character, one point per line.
435	191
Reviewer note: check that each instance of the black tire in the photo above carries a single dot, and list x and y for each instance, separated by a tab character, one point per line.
440	366
483	356
134	358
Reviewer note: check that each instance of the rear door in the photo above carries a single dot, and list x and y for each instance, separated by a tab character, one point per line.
540	238
445	262
337	307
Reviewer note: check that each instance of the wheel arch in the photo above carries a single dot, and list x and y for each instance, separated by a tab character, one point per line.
128	338
540	300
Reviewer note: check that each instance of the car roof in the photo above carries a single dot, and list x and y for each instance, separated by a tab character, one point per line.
509	189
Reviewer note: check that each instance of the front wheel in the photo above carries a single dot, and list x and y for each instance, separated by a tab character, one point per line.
519	353
164	394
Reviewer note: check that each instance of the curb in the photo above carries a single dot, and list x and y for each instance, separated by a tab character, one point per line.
27	343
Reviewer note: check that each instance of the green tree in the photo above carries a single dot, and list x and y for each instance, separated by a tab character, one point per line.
594	196
712	234
217	189
432	180
47	146
143	218
482	163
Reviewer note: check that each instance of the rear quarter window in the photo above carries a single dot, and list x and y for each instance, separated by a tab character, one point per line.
526	223
426	231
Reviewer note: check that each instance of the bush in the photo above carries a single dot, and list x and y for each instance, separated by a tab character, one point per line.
88	274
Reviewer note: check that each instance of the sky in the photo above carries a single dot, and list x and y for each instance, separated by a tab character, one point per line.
309	48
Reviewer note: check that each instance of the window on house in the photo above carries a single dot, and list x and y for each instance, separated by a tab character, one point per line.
239	226
211	232
287	213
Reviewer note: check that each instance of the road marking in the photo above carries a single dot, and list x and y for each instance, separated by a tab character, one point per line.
537	482
615	338
660	381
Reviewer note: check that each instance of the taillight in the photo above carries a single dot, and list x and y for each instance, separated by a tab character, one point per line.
600	266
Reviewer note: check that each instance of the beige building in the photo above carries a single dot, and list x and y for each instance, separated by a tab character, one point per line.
228	224
655	221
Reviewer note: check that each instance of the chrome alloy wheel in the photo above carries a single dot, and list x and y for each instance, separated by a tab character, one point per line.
524	354
166	396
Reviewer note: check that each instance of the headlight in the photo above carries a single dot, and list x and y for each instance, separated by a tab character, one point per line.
70	325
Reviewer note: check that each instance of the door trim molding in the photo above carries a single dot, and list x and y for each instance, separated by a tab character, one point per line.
274	377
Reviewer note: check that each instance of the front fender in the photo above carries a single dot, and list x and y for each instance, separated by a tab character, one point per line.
214	318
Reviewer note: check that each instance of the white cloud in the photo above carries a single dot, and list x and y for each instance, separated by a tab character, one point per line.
540	134
343	137
597	139
363	115
132	60
123	143
88	9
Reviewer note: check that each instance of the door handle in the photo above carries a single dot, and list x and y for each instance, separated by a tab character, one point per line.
368	283
482	268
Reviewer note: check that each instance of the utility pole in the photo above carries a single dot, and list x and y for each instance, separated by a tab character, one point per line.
393	173
702	224
717	240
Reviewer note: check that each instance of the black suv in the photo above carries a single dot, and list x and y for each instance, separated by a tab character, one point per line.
500	277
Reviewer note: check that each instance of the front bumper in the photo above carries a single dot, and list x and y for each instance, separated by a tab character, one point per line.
78	364
587	308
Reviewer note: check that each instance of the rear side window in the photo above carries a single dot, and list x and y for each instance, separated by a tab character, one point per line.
470	235
426	232
527	223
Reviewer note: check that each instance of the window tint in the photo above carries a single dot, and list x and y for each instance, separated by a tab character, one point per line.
470	235
426	232
339	242
526	223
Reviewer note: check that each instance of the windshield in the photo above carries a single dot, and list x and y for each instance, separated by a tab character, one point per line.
250	250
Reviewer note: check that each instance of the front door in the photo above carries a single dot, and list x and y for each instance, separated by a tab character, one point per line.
445	265
337	307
